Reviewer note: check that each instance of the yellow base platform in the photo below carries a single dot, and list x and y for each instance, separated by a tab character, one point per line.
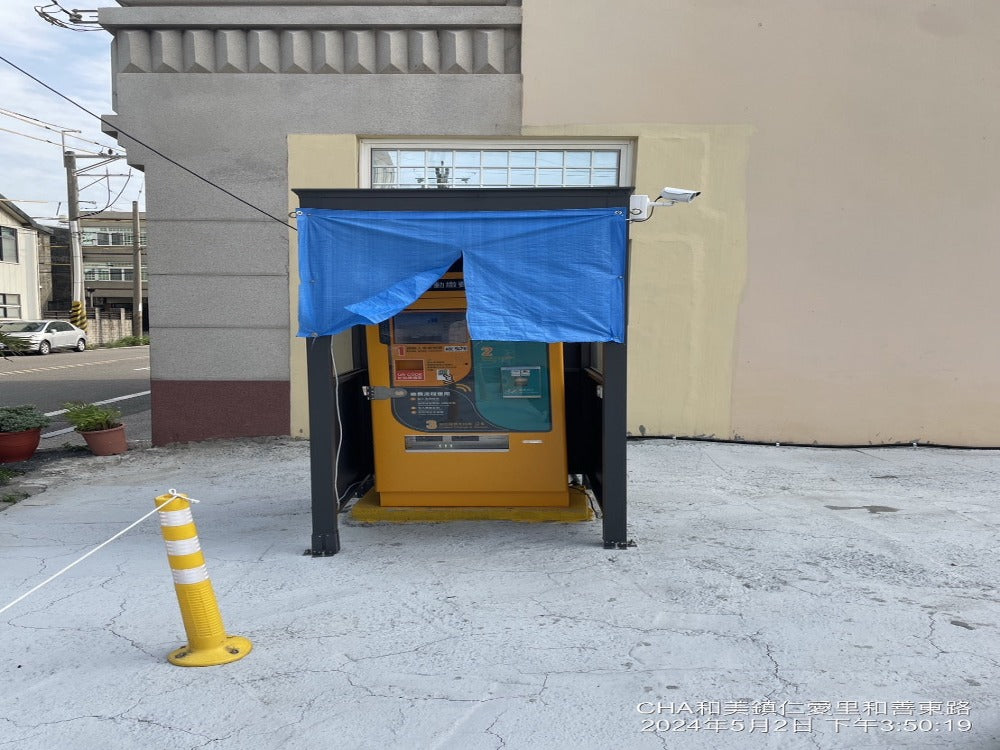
368	510
233	648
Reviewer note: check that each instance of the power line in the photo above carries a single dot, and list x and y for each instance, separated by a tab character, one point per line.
111	201
64	132
40	140
75	19
105	150
147	146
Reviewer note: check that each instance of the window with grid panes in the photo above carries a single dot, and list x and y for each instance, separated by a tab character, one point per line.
92	272
104	237
8	245
521	166
10	305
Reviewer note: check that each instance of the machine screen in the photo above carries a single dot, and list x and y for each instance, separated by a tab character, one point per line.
430	327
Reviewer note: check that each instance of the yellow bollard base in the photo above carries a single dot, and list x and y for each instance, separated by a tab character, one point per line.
233	648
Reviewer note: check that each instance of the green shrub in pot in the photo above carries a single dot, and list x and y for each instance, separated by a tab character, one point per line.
21	418
92	417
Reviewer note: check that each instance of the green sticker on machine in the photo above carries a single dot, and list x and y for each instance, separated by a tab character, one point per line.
512	389
521	382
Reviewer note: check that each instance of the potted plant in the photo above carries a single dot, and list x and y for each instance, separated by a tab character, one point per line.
20	431
12	345
101	427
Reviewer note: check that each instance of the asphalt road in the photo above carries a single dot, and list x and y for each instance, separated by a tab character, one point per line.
50	381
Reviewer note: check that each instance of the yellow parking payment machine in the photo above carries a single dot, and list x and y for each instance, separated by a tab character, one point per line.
464	423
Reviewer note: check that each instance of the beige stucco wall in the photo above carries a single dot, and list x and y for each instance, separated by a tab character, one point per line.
672	309
317	162
836	283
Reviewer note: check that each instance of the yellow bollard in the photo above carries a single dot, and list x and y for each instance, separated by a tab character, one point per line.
208	643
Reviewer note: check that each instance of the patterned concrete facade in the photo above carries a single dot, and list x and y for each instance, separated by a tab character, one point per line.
349	51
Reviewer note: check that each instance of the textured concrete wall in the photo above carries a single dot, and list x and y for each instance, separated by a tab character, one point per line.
219	272
223	101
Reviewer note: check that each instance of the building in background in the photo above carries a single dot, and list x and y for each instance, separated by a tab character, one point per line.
57	296
22	243
834	284
106	239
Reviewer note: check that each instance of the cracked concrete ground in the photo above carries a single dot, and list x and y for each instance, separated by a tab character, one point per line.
777	598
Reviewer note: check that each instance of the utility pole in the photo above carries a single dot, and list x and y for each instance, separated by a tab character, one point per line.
73	209
136	273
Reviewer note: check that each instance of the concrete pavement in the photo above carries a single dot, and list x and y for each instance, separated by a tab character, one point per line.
777	598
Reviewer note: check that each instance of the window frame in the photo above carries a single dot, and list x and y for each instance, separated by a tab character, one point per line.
104	273
624	146
3	242
95	236
8	302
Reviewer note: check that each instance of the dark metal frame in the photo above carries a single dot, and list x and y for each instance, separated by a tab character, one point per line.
595	399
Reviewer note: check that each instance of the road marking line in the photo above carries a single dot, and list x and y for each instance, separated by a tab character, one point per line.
100	403
139	369
64	367
58	432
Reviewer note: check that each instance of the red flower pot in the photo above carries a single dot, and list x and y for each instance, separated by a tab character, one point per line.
106	442
19	446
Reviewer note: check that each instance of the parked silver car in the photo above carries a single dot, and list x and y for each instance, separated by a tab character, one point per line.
43	336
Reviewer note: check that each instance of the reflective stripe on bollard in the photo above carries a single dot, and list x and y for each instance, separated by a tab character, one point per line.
208	643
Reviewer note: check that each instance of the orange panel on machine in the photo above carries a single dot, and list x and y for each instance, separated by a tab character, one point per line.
471	423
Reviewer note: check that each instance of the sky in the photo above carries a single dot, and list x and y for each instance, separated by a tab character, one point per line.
78	64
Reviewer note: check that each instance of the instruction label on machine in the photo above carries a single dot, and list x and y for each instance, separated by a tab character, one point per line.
454	384
521	382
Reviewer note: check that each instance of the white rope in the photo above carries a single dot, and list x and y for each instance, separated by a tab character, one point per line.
173	496
340	428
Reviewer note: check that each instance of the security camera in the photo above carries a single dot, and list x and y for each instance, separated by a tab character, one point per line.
678	195
641	207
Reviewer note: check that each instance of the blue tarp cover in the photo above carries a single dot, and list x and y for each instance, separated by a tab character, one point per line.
529	275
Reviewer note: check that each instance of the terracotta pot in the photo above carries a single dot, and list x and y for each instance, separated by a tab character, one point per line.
106	442
18	446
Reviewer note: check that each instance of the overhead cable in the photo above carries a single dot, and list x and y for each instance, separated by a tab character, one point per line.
148	147
111	201
65	132
43	140
74	21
